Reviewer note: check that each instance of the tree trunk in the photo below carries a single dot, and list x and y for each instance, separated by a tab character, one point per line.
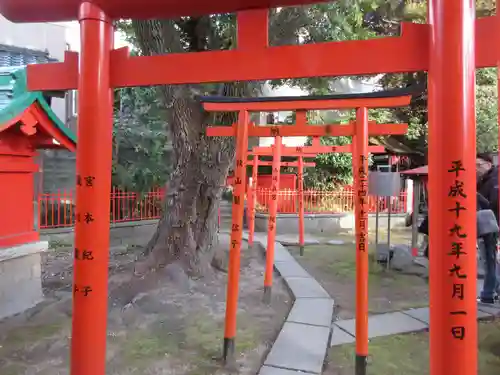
187	232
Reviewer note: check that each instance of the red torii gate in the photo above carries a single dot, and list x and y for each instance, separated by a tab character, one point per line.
359	131
286	164
450	46
251	194
252	187
312	151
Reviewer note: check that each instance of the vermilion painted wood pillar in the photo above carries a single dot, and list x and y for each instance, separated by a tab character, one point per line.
452	188
497	16
93	165
253	198
233	275
273	211
360	162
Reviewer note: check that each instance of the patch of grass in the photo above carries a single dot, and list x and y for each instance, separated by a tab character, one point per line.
398	236
204	335
409	354
141	347
58	244
204	339
334	266
32	333
12	369
340	261
27	337
196	341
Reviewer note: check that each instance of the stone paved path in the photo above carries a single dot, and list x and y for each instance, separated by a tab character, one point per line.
308	331
302	344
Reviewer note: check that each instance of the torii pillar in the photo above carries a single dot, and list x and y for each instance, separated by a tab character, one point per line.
93	166
452	188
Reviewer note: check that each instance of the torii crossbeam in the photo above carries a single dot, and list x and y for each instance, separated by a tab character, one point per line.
307	151
300	164
287	164
449	47
314	150
252	188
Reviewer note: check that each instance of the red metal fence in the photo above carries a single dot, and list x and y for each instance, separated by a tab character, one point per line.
327	202
57	210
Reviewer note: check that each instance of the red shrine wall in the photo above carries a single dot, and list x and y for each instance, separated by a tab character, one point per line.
287	182
17	168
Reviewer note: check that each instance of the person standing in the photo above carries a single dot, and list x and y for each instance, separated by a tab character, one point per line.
487	187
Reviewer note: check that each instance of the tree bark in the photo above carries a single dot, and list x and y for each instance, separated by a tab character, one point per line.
186	234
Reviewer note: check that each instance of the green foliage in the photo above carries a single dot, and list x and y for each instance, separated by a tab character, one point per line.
487	110
416	114
141	144
332	169
141	151
364	19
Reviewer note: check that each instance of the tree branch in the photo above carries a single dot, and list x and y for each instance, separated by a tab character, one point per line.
285	25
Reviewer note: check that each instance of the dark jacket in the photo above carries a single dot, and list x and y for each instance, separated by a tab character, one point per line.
487	186
482	204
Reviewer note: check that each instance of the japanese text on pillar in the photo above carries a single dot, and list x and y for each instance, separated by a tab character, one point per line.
363	200
84	255
458	234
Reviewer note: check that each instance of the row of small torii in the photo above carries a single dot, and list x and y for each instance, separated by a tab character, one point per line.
449	47
359	129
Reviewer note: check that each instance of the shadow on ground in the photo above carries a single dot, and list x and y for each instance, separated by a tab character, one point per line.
409	354
334	266
155	326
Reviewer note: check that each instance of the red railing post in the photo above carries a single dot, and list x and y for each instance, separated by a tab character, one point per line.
301	204
272	219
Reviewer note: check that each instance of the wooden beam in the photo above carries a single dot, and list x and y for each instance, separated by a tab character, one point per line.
407	53
312	151
307	104
289	164
334	130
67	10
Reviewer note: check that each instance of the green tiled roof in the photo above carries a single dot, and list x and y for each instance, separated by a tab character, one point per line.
15	99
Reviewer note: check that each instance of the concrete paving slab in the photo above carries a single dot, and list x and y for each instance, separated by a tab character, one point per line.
490	309
340	337
293	240
299	347
421	314
339	242
281	254
306	288
484	314
312	311
266	370
291	269
385	324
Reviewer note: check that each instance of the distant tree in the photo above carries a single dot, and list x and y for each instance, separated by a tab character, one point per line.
187	231
141	146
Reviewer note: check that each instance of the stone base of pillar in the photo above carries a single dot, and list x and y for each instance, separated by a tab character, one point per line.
20	277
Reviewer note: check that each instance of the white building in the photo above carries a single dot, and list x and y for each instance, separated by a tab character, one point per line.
340	86
23	44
